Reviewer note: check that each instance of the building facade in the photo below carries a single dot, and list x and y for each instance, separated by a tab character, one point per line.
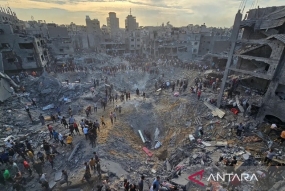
113	24
258	58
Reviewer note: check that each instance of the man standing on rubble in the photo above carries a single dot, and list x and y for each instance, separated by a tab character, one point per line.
156	184
42	119
102	120
95	107
50	131
71	120
240	128
199	94
111	118
85	131
138	92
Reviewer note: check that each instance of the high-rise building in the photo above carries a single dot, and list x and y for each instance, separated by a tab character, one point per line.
112	24
93	32
131	23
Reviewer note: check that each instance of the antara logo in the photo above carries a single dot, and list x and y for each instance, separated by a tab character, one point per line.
221	177
193	179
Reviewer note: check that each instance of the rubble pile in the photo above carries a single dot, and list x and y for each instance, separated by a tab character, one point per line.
160	134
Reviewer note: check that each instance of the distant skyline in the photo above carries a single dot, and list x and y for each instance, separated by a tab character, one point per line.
217	13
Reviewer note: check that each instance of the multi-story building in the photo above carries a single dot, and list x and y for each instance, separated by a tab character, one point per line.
134	42
21	51
113	24
93	32
59	42
78	34
131	23
258	59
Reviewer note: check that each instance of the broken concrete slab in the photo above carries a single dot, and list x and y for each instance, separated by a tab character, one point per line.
215	111
50	106
141	135
206	144
191	137
113	167
57	176
52	184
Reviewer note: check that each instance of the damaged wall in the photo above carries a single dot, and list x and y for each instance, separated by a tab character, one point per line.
5	90
20	51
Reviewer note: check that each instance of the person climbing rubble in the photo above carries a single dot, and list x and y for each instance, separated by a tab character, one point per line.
102	120
42	119
64	123
64	178
88	111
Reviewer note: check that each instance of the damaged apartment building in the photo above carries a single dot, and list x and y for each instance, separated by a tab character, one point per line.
20	51
257	61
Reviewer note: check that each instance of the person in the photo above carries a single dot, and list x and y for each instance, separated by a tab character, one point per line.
31	156
269	156
233	161
44	182
140	184
50	129
71	129
7	175
65	178
71	120
114	116
40	156
273	128
27	167
92	164
87	177
156	184
76	128
102	120
111	118
50	159
120	109
85	131
64	122
38	168
282	137
137	91
42	119
70	111
126	185
69	140
60	138
55	135
199	94
240	128
201	131
29	146
92	139
143	98
95	107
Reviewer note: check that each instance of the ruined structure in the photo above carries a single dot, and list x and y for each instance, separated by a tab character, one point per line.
260	56
21	51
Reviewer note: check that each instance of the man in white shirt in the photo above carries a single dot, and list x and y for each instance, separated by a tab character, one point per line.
85	131
274	128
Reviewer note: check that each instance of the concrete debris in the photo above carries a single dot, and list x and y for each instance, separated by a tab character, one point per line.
50	106
215	111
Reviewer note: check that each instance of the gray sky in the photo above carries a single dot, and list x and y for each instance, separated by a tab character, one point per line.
218	13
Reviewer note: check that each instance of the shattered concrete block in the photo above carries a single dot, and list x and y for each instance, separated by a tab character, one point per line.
52	184
57	176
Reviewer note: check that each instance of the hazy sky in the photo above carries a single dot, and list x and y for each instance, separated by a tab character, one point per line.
148	12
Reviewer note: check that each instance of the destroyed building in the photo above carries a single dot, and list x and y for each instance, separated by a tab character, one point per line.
59	42
21	51
258	59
